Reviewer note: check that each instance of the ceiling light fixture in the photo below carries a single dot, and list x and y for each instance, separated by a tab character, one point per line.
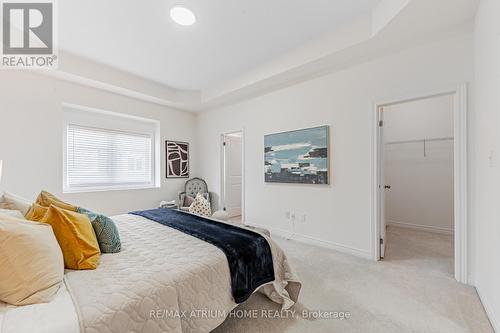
182	15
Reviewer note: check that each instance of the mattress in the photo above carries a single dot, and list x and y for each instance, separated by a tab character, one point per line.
162	281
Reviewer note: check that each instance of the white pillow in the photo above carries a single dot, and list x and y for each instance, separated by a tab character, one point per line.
12	213
14	202
3	203
200	206
31	261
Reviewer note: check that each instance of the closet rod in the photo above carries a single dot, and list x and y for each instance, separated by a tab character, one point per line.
419	140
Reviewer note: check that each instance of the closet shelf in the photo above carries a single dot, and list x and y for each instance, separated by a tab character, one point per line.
419	141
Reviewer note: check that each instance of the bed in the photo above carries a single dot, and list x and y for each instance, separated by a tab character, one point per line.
163	280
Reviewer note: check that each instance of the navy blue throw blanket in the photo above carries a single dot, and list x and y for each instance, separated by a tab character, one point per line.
248	253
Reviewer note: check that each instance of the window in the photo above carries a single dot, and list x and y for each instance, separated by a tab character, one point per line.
108	151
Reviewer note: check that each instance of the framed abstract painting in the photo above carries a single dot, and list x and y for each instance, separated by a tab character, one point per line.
177	159
300	156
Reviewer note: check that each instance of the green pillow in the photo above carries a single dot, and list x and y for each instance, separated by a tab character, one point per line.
105	231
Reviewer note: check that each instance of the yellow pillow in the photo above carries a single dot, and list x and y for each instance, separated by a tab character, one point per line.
36	212
47	199
75	236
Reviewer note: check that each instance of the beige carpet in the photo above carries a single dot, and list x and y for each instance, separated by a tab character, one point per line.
412	290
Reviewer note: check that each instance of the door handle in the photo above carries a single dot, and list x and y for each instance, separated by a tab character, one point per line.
387	187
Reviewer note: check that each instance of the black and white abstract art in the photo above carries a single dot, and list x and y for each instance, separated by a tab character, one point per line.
177	156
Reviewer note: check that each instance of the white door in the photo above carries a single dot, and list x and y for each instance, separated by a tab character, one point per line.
233	177
382	185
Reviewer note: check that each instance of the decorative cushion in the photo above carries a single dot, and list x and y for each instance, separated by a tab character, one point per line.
183	196
200	206
14	202
104	228
47	199
188	200
31	261
36	212
105	231
75	236
12	213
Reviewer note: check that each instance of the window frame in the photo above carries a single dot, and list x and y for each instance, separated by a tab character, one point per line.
71	113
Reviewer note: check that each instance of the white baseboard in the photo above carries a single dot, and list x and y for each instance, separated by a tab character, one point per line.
489	311
427	228
315	241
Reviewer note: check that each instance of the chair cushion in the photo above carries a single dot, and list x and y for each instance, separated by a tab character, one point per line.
188	200
31	261
200	206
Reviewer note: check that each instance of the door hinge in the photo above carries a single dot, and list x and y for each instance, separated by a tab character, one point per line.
381	241
224	143
224	209
380	123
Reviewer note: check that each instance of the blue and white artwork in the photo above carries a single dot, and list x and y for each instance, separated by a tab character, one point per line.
299	156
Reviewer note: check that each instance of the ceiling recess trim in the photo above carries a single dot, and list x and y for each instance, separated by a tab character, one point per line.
386	29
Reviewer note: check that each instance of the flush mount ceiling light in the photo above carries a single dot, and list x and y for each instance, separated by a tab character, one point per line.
182	15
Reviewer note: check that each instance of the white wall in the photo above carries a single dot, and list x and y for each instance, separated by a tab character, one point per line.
31	139
426	118
421	194
338	214
485	173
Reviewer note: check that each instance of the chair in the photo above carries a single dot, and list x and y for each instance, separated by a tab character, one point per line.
191	189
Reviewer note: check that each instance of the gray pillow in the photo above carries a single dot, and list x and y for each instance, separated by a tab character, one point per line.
188	200
105	231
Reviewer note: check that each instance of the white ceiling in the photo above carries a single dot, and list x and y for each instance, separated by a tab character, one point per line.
229	38
238	49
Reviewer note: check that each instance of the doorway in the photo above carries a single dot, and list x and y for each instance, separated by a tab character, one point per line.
232	176
434	180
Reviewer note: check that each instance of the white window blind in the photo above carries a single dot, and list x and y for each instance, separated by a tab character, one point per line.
107	158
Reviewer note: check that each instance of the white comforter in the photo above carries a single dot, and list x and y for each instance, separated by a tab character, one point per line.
162	281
